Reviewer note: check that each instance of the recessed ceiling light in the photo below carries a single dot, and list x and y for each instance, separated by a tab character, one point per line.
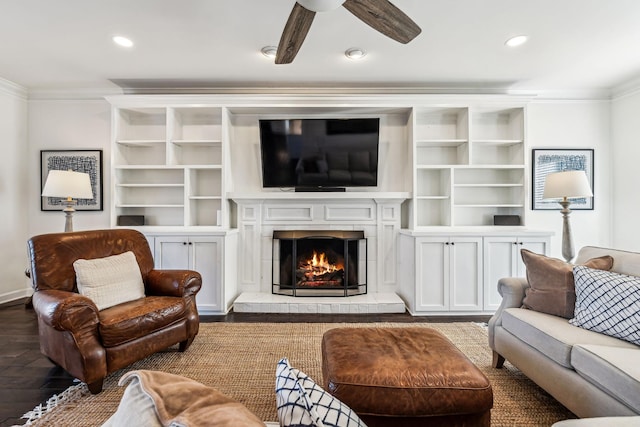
269	51
516	41
355	53
122	41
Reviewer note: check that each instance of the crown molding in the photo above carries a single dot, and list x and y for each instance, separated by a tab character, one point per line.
76	94
14	89
629	88
73	94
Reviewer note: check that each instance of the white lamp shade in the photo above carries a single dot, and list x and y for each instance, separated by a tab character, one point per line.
72	184
569	184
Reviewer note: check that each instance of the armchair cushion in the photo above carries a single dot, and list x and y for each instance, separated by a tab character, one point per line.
552	288
135	319
111	280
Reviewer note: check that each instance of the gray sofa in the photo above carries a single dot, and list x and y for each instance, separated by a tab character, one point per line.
591	374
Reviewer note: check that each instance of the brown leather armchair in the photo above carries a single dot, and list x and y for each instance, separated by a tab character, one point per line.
90	343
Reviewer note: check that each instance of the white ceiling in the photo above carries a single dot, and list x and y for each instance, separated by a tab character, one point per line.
575	45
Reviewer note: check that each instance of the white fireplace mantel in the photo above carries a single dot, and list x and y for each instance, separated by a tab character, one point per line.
290	195
378	214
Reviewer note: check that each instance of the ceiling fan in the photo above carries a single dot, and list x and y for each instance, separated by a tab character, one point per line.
381	15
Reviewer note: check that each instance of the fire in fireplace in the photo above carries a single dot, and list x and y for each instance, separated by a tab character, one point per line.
319	263
319	271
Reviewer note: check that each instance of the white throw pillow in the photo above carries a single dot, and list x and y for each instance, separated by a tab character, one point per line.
109	281
608	303
302	402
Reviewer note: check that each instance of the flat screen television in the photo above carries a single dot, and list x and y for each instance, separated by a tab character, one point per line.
316	154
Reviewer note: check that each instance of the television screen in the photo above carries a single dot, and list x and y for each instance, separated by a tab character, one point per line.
316	153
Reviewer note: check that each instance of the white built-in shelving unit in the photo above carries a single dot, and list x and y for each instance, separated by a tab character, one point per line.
469	165
168	165
448	165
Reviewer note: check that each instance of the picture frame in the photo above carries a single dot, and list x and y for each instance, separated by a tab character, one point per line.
87	161
549	160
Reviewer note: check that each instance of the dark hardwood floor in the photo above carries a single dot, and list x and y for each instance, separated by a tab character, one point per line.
28	378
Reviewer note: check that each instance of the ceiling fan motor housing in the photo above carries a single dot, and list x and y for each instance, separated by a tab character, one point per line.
321	5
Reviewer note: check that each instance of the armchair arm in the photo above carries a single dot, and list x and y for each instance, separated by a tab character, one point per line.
63	314
177	283
512	290
65	311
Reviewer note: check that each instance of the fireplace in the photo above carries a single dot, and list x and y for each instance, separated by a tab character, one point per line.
319	263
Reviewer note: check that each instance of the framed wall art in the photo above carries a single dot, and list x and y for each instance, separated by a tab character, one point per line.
546	161
87	161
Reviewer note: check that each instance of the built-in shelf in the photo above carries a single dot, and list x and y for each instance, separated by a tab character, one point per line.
148	205
150	185
169	164
141	142
203	142
469	165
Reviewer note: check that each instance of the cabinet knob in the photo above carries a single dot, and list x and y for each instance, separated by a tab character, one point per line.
191	243
184	243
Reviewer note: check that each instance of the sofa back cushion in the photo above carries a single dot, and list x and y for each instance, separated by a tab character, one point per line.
624	262
551	284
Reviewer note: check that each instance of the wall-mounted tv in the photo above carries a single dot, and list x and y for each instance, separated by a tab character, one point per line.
311	154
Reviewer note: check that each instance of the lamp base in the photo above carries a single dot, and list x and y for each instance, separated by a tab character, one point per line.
567	242
68	218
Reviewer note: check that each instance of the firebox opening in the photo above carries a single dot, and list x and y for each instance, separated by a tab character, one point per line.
325	263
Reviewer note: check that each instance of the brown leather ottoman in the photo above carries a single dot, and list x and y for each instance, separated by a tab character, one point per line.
404	377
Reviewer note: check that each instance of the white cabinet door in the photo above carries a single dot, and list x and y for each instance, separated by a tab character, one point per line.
172	252
200	253
502	259
465	277
432	278
449	273
206	259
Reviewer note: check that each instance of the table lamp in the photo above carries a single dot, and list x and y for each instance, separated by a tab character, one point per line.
68	185
564	186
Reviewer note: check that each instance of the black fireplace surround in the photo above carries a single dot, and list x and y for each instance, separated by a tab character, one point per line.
319	263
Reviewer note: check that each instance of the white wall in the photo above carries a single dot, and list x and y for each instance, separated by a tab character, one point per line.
67	125
575	124
626	176
14	172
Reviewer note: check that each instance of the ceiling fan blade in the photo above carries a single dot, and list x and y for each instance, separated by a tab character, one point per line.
294	33
384	17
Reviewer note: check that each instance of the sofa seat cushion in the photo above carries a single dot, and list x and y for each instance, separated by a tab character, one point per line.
131	320
615	370
553	336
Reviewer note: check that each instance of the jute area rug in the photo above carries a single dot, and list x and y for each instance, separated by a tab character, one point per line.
240	360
